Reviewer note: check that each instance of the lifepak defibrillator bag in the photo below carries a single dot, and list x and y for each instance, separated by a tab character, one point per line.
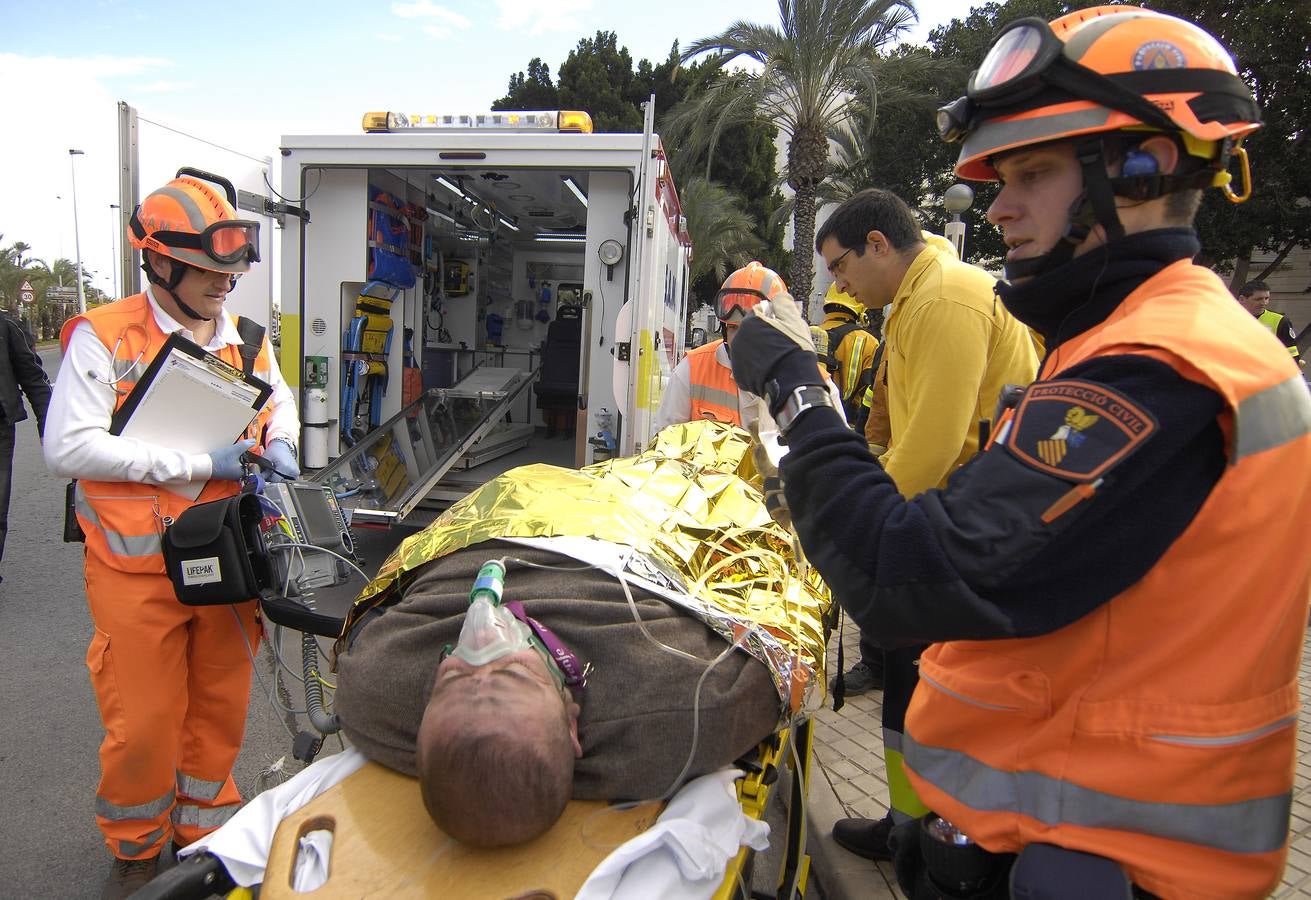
207	551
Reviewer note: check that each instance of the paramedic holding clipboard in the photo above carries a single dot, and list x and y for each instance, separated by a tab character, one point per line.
171	681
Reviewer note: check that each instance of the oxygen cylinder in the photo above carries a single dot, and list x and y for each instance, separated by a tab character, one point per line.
314	442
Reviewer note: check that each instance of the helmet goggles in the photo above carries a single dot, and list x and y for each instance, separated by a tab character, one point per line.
735	299
1027	59
226	242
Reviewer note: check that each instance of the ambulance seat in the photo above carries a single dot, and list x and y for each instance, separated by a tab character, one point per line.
557	385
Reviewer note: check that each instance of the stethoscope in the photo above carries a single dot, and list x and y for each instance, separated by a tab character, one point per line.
113	357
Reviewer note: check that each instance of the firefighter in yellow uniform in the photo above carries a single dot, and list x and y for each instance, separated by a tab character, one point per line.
172	681
1104	703
850	352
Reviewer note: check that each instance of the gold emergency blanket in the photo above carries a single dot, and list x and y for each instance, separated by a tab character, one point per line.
686	518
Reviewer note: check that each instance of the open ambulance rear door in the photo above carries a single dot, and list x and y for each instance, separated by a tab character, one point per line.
651	326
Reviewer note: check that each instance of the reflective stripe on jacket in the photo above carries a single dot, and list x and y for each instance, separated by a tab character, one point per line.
124	521
712	389
850	357
1161	729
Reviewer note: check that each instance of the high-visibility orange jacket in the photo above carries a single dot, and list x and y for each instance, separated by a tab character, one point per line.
123	521
1169	749
713	391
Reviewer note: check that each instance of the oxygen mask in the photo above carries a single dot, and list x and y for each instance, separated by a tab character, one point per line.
490	632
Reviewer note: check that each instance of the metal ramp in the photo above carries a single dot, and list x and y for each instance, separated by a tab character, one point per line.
385	476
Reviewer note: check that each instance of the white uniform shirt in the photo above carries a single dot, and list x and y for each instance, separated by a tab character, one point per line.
77	440
676	402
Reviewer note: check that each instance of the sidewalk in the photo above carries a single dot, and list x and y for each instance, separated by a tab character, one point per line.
850	780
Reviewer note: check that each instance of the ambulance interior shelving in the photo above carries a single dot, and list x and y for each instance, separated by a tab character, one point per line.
463	295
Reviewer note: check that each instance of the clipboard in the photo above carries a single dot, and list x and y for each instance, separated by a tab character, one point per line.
190	400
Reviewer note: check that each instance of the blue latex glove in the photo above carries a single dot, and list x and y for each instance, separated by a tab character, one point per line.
284	461
226	461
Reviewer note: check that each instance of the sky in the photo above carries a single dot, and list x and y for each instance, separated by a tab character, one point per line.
240	74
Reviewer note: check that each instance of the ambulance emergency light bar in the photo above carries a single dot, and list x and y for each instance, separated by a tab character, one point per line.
564	120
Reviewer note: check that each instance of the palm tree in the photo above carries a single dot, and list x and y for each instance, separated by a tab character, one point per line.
722	234
816	69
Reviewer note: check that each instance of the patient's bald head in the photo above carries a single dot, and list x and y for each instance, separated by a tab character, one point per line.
496	749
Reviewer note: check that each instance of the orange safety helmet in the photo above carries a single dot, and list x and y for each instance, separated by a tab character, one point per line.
189	221
1106	68
746	287
1094	73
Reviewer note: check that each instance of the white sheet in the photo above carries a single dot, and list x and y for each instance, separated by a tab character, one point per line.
685	854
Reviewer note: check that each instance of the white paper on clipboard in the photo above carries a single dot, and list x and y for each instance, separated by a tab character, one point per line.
194	408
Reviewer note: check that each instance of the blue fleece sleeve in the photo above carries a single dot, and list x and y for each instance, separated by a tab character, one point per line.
978	560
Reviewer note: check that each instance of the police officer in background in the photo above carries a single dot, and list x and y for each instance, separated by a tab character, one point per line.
172	681
1111	693
1255	298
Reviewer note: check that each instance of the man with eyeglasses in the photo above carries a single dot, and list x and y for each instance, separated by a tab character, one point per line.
1110	701
950	350
172	681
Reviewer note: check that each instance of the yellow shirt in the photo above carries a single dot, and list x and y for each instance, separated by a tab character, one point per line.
951	347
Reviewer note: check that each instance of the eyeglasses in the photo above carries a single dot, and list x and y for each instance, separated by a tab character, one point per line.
1026	58
833	266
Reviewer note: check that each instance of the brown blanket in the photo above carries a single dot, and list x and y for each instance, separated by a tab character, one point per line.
636	720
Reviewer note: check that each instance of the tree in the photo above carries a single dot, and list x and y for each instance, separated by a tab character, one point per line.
593	78
598	77
723	238
812	69
535	90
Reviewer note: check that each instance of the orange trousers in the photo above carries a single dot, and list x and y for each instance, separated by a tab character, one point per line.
173	685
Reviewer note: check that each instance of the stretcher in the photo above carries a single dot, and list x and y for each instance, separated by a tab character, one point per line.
385	845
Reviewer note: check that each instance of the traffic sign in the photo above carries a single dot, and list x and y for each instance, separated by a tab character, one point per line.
60	294
25	293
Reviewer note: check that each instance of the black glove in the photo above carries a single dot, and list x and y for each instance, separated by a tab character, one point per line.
769	364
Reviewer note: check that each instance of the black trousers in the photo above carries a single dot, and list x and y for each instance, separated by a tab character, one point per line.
6	478
871	654
901	672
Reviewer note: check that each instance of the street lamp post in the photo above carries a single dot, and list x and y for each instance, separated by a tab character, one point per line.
956	200
77	240
113	248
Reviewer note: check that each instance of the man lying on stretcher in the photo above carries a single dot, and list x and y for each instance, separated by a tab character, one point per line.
497	738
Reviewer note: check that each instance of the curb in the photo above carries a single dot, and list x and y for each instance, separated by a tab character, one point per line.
841	875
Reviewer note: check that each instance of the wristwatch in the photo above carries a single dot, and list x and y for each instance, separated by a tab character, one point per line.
808	396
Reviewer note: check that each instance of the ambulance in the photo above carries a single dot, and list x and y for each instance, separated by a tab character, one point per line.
460	294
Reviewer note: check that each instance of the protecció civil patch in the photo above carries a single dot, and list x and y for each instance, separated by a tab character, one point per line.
1077	430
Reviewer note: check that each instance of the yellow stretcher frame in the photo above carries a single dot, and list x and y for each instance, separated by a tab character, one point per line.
567	864
383	867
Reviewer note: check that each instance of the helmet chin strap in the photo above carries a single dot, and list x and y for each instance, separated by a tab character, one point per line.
177	272
1094	206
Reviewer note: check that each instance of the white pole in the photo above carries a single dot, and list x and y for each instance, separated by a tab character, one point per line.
115	291
77	239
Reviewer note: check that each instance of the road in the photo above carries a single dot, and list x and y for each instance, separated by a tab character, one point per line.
50	730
